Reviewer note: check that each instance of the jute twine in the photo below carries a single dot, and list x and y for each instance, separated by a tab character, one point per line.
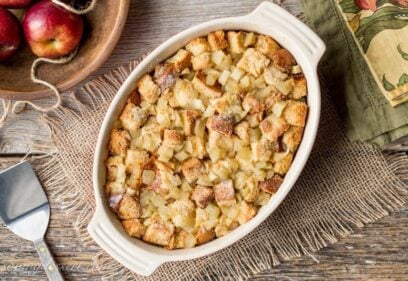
19	106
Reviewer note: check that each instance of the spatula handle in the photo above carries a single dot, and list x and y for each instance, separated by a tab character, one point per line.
50	267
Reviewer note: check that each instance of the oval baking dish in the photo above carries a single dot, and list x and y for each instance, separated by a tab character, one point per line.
268	19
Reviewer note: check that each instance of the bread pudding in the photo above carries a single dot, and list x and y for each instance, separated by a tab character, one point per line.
205	139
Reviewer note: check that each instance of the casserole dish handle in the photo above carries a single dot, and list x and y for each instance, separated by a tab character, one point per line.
277	17
110	240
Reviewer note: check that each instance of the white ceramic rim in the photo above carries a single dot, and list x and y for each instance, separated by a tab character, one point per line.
268	19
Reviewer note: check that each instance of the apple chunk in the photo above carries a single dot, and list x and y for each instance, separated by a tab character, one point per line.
52	31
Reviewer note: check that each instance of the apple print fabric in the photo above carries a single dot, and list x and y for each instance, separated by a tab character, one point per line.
380	28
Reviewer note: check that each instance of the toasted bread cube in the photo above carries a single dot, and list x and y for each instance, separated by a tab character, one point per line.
224	193
272	75
271	185
207	90
272	99
282	163
273	127
221	124
250	39
300	89
148	89
165	76
148	177
192	169
112	164
292	137
184	92
217	40
119	142
252	104
133	117
198	46
283	60
189	118
159	233
135	159
267	46
202	195
134	228
201	61
236	41
204	235
253	62
173	137
134	98
184	207
181	60
129	208
295	113
246	212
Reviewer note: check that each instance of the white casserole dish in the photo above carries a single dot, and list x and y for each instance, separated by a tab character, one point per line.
268	19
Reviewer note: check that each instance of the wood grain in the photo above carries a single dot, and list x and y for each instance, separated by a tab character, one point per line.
377	252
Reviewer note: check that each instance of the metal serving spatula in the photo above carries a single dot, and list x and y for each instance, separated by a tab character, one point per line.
24	209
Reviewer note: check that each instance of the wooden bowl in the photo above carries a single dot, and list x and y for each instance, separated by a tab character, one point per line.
104	26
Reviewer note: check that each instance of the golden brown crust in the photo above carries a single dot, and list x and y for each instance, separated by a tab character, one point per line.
181	60
119	142
173	137
221	124
283	60
273	127
300	89
192	169
148	90
271	185
295	113
236	41
214	91
253	62
129	208
293	137
202	195
165	75
217	40
204	235
267	46
283	164
224	193
134	228
189	119
159	234
198	46
201	61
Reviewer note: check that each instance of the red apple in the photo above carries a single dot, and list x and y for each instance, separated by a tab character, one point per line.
52	31
15	4
10	34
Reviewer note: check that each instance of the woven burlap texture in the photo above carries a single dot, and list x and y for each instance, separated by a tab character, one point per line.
343	186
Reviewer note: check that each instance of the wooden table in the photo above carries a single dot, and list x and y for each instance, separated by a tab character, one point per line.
377	252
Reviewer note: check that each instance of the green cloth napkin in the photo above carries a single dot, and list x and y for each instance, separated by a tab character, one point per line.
367	114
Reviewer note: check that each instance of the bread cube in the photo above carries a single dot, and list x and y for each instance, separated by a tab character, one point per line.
236	41
252	104
292	137
165	76
267	46
133	117
261	150
273	127
134	227
300	89
159	233
199	83
181	60
224	193
134	98
173	137
282	162
184	207
283	60
189	118
198	46
242	131
295	113
204	235
202	195
201	61
250	39
271	185
112	164
253	62
246	212
119	142
221	124
148	90
217	40
129	208
192	169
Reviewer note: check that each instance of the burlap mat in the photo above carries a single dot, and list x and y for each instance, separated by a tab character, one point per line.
344	185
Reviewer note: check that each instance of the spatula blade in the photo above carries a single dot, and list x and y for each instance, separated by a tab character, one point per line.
24	206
